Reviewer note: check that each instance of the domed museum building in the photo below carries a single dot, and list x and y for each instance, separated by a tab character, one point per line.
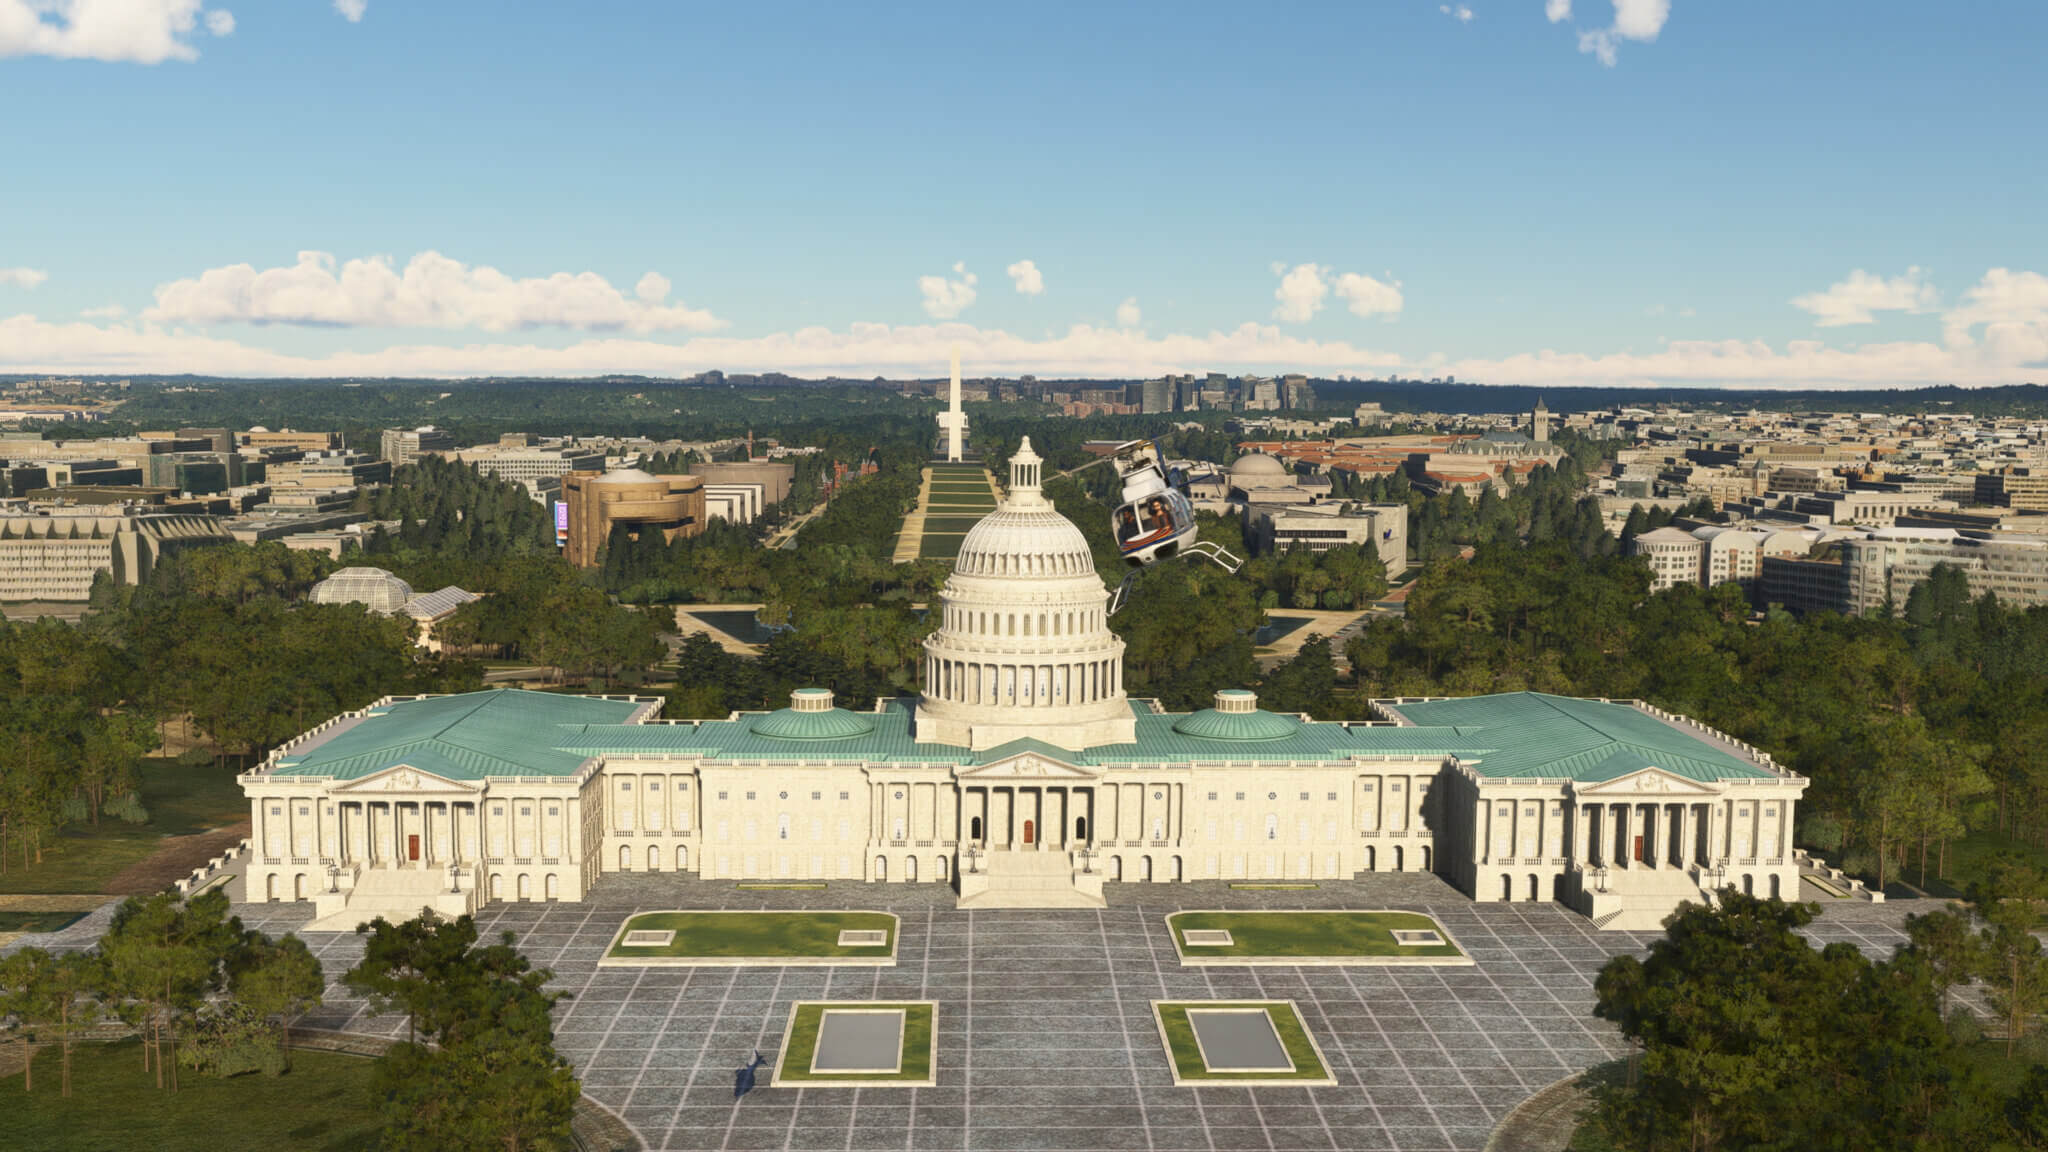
1022	777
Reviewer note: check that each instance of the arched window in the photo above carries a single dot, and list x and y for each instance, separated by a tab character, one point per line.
1507	888
552	886
881	868
625	858
653	858
910	870
525	886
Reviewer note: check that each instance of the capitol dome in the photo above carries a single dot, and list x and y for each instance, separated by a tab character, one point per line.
1023	647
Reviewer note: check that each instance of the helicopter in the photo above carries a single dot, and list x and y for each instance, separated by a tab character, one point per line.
1154	520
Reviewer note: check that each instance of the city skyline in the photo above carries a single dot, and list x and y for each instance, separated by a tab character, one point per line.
1643	192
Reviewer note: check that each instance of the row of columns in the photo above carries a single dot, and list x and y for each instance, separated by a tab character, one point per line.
1058	622
405	833
1023	685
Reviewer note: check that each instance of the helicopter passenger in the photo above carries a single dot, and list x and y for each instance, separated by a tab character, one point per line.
1127	524
1155	514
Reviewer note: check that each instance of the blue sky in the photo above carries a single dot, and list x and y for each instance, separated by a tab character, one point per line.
1656	191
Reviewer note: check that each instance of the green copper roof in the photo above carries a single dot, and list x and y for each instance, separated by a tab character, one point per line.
830	724
505	732
1213	725
1523	735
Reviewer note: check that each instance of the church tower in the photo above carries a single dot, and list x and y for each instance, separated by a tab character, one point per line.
1023	647
1539	423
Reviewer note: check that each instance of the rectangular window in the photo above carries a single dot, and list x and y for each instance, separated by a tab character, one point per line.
817	795
750	795
1212	796
721	795
842	795
1304	796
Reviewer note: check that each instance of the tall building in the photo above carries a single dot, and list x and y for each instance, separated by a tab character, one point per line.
598	501
1023	773
404	445
1883	566
55	556
1539	423
1156	396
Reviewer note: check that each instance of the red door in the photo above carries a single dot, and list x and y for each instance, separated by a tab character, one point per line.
1027	831
1639	849
412	848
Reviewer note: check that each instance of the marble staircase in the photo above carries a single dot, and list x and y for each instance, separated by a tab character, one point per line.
1029	878
396	894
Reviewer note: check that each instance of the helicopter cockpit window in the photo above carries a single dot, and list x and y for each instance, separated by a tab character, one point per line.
1126	524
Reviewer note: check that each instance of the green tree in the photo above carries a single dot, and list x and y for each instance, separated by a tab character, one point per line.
164	958
277	981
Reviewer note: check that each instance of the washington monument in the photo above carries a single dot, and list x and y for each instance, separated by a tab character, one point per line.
953	422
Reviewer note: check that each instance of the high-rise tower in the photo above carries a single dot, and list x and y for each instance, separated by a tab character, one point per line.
953	422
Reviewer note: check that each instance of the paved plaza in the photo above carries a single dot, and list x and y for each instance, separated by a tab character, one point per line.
1046	1035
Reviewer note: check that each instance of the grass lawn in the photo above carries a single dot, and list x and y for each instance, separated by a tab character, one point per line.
754	937
949	525
800	1043
1284	937
1969	859
1186	1055
940	547
22	921
321	1105
181	799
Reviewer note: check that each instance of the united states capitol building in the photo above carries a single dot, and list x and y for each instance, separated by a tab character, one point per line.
1023	777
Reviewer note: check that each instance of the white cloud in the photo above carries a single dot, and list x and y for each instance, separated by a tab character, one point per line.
1638	20
23	277
1300	294
1856	299
137	31
945	299
1026	277
1128	314
1460	12
652	288
2012	309
432	291
1304	288
351	10
1369	297
1557	11
106	312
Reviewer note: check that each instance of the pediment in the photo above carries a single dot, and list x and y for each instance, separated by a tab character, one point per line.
406	778
1026	766
1647	782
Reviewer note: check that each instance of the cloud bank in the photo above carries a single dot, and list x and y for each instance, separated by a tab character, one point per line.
432	291
352	10
23	277
1637	20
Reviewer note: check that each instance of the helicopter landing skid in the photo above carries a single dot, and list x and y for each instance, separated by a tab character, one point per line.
1205	549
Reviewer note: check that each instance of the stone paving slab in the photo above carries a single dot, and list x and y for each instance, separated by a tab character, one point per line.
1045	1030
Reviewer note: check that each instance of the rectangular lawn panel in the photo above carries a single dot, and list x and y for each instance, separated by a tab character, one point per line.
844	1043
1214	1042
941	547
949	525
1312	938
753	939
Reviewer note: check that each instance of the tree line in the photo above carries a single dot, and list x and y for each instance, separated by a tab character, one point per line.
1749	1038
